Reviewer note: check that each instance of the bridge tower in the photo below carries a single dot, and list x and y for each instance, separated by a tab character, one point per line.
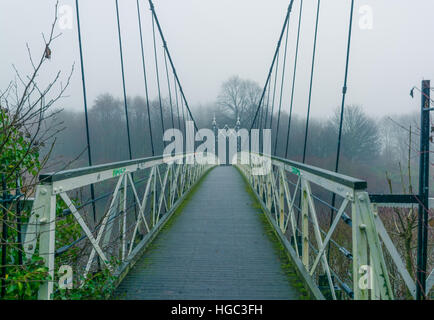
230	138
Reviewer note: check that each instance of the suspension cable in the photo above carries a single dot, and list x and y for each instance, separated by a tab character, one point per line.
345	88
83	82
281	87
177	103
294	78
268	105
344	93
158	77
259	126
183	116
273	62
170	91
123	80
274	91
171	62
145	77
310	93
261	117
311	81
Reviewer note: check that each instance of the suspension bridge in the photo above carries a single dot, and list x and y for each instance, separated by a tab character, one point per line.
185	229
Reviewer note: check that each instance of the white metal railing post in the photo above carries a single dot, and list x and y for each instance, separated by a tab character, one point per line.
304	224
180	180
186	179
366	235
170	188
282	204
123	221
360	254
47	239
154	196
269	193
255	183
108	222
189	175
261	187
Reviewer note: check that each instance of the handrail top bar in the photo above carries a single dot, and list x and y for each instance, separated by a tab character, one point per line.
345	180
394	198
73	173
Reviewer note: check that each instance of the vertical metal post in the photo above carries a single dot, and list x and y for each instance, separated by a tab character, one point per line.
256	182
282	203
170	187
216	135
228	161
269	201
305	225
423	192
47	239
154	195
238	137
360	251
124	218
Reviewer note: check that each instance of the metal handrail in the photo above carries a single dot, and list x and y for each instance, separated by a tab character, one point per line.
353	183
271	187
73	173
168	182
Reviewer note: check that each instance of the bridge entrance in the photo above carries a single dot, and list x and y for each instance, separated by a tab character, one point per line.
216	249
227	142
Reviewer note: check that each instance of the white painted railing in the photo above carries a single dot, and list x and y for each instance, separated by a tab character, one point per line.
285	191
142	196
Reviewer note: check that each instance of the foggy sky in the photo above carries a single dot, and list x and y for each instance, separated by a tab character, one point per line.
211	40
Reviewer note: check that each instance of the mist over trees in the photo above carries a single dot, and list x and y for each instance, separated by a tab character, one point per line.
108	132
238	99
370	147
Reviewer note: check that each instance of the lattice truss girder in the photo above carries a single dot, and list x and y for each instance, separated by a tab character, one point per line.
369	237
165	187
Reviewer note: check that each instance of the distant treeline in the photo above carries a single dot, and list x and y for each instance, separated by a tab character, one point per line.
369	147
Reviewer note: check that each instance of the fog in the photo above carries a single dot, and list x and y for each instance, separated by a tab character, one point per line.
222	51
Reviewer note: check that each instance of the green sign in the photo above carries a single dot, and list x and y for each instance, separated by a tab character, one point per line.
119	172
295	171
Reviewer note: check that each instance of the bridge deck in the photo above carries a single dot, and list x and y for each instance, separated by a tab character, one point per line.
216	249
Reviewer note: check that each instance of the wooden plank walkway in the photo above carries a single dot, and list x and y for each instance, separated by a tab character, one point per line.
216	249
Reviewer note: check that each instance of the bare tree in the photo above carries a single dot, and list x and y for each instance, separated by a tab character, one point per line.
394	133
360	134
26	108
239	98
